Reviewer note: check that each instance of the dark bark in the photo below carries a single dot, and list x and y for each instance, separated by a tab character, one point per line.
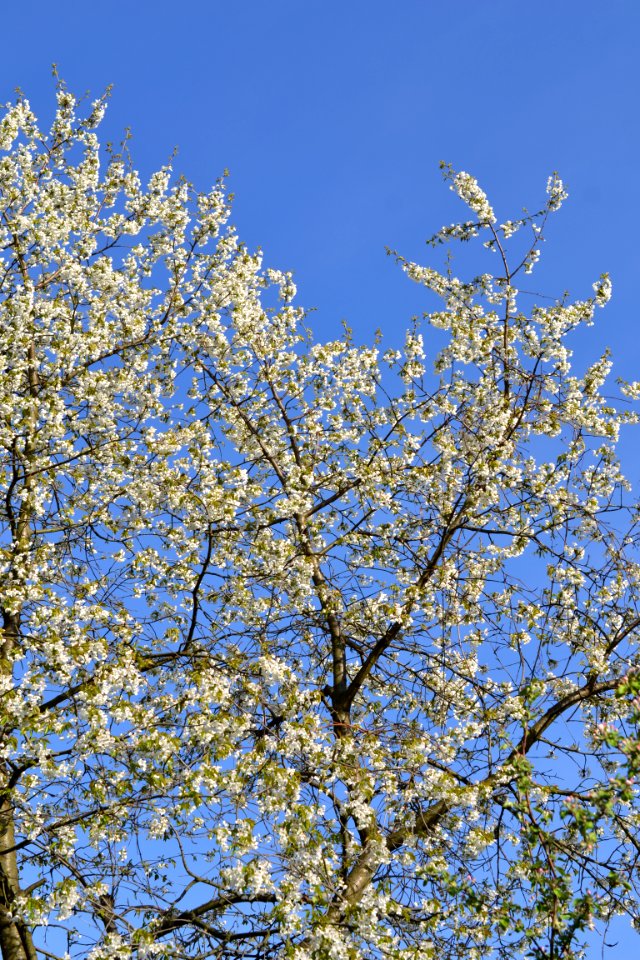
16	942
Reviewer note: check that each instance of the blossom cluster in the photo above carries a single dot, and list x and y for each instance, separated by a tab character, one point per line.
294	631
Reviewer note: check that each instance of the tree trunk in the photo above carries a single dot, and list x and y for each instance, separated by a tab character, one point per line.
16	942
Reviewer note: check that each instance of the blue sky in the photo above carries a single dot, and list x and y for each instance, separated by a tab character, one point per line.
332	116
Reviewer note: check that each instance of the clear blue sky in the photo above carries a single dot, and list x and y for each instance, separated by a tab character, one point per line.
332	115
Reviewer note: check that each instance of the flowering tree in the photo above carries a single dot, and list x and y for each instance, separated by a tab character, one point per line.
307	651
